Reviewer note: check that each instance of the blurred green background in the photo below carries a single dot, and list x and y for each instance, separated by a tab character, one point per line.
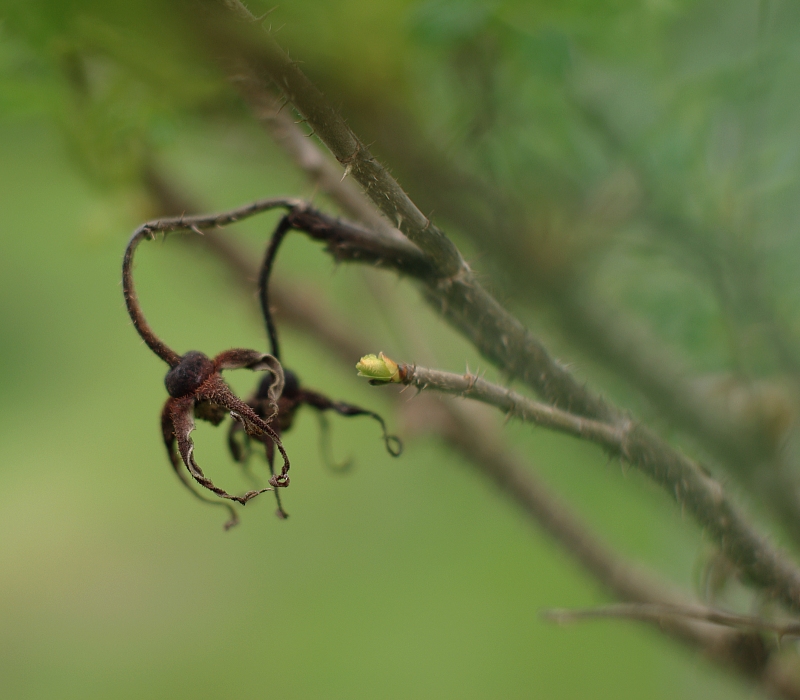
409	577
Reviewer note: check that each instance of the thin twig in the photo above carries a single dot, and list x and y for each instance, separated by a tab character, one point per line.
210	221
661	613
763	565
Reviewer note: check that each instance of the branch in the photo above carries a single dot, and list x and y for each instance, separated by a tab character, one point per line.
666	614
763	565
494	219
266	56
451	287
479	443
497	334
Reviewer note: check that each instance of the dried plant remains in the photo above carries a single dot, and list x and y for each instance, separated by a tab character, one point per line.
197	390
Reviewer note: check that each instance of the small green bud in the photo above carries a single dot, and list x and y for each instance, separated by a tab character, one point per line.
379	370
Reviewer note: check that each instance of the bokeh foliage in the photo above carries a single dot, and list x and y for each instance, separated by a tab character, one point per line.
644	154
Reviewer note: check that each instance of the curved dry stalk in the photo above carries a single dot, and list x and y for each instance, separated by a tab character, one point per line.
209	221
158	346
148	231
284	226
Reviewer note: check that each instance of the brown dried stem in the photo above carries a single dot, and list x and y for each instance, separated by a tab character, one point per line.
179	223
158	346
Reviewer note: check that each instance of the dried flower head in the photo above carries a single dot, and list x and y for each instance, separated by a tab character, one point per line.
197	390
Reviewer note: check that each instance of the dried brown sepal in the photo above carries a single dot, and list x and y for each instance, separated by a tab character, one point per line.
197	390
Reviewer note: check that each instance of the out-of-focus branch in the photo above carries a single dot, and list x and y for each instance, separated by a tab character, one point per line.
745	651
661	614
776	680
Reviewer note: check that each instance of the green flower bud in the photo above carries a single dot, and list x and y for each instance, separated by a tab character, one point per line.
379	370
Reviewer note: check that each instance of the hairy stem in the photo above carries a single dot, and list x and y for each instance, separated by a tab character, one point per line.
763	565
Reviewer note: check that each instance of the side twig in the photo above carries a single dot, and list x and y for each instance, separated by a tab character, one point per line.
763	565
